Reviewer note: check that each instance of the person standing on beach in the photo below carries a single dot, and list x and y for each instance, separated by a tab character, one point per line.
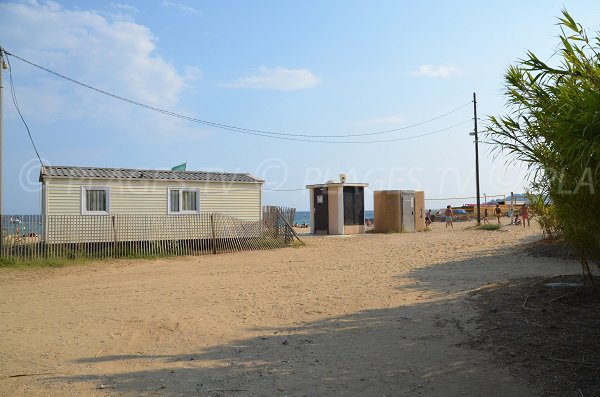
428	218
449	214
485	217
525	215
498	212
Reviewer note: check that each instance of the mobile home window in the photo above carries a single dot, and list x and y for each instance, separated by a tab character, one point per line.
182	201
95	200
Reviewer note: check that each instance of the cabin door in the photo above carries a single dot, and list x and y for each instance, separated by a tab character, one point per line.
408	212
321	206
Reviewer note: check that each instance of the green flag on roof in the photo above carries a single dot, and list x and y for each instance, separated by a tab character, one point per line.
180	167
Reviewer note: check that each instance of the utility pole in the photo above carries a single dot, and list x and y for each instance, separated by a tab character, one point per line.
476	159
2	67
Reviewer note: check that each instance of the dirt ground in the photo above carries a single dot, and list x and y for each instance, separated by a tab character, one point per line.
388	315
547	336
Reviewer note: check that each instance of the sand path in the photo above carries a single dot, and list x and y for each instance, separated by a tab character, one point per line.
360	315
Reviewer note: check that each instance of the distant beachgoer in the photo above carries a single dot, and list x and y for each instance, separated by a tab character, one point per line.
428	218
485	216
517	220
498	212
525	215
449	214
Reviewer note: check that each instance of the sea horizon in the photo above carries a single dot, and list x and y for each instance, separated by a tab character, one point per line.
304	216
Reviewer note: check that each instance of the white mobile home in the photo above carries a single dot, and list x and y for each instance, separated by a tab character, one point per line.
96	193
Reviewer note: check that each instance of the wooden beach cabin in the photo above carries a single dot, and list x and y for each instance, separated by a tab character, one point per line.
399	211
337	207
87	197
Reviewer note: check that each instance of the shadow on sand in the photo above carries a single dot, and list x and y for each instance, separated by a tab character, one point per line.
402	351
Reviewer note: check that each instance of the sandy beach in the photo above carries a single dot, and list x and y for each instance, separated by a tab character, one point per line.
344	315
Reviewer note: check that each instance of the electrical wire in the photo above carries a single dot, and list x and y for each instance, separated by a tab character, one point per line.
462	198
284	190
427	199
369	142
263	133
370	133
16	103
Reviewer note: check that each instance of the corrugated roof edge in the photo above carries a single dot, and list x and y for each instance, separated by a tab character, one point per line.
44	173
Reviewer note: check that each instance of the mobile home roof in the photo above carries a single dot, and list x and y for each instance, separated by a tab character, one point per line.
162	175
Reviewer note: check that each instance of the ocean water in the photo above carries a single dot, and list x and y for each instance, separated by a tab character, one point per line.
304	216
21	224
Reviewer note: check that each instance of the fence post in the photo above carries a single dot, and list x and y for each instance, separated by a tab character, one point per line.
114	229
2	242
290	233
274	219
214	237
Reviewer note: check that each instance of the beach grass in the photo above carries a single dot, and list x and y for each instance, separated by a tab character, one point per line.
14	263
298	244
490	226
39	263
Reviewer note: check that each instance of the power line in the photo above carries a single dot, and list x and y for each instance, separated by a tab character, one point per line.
427	199
16	103
402	128
369	142
263	133
367	133
284	190
461	198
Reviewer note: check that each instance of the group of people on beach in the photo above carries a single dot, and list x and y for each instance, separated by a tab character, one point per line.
515	221
497	212
448	213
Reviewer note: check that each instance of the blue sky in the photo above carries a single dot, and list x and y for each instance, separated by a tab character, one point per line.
312	68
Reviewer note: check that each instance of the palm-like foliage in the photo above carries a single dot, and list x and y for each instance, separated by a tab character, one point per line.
554	127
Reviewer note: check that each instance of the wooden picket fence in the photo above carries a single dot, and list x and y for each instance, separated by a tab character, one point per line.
29	237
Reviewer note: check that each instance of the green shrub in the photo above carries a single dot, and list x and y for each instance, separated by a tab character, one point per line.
544	214
490	226
553	127
15	263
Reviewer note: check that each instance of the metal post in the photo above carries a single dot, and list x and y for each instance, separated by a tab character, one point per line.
476	160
